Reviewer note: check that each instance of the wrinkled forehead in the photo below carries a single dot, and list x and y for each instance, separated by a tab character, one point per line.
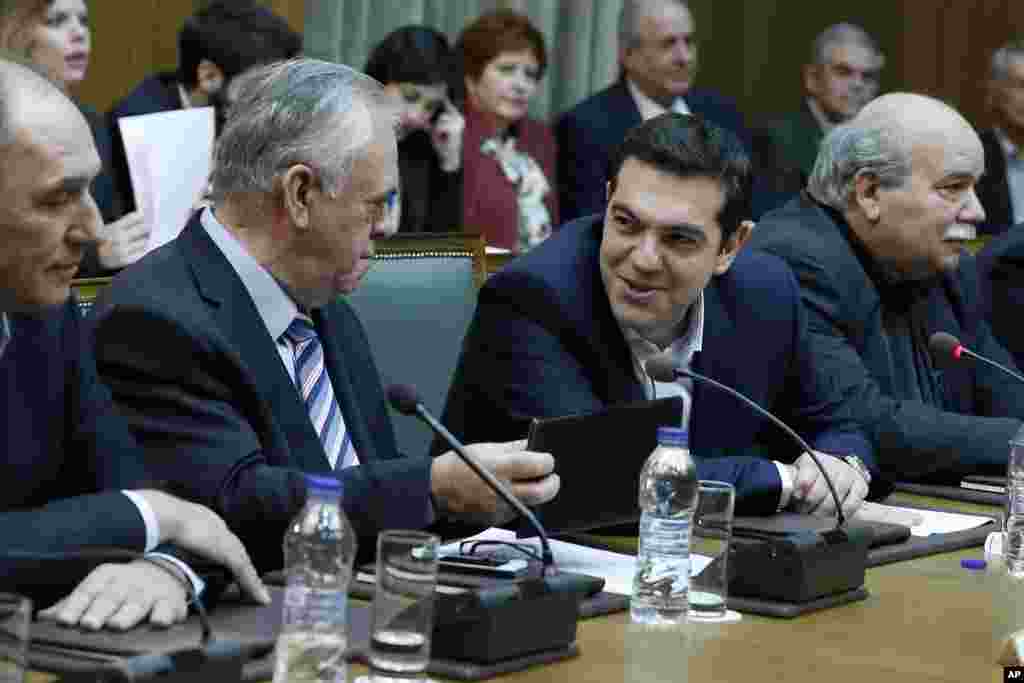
54	133
954	150
856	55
666	19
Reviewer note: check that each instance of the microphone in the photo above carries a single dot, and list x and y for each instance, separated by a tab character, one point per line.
947	349
216	661
509	619
405	400
662	369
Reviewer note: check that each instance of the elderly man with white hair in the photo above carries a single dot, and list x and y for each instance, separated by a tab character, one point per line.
233	354
877	244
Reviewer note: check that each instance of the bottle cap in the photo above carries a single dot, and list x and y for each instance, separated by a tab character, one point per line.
969	563
325	486
673	436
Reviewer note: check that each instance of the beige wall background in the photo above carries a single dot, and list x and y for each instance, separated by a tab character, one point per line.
749	49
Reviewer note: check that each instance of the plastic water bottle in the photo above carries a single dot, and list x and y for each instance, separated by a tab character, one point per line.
668	497
319	550
1013	547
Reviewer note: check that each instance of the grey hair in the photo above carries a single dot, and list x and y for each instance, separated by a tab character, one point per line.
20	77
876	148
840	34
299	111
629	18
999	69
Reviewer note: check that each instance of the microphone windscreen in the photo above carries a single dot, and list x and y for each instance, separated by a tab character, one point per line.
945	348
403	398
661	368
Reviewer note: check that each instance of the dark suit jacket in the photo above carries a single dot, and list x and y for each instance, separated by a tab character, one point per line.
1001	278
993	189
489	200
783	151
193	368
589	134
544	343
981	408
104	191
65	450
155	93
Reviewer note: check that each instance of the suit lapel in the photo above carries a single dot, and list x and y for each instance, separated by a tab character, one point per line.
328	326
238	320
715	361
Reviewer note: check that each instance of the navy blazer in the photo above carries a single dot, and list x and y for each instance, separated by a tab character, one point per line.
154	94
993	187
981	408
589	133
544	343
64	447
1001	279
194	370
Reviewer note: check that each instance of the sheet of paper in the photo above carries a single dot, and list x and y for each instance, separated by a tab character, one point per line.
936	522
615	568
169	159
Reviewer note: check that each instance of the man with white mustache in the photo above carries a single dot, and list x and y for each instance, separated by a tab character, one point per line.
877	245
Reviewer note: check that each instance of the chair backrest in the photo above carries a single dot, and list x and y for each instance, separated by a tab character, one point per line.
416	303
86	290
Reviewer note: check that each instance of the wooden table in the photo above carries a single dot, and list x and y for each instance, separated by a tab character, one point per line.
927	620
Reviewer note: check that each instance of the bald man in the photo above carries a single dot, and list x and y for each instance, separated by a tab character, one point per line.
877	244
74	473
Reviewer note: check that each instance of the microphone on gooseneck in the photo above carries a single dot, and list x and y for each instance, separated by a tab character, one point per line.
406	400
662	368
947	349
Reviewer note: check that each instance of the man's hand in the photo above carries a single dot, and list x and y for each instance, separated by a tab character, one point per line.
120	596
124	241
199	529
462	494
811	494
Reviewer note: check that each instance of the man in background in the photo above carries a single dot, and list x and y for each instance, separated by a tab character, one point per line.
1001	188
841	77
658	57
216	44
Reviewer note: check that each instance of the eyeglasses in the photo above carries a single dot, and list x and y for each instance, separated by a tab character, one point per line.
499	549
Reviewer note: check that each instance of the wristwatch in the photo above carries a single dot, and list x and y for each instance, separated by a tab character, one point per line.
858	464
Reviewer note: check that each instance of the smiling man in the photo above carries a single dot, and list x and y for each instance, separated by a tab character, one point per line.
877	244
567	328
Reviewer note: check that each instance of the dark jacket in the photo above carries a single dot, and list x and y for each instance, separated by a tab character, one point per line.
978	409
65	453
1001	278
589	133
431	198
194	370
783	151
544	343
993	188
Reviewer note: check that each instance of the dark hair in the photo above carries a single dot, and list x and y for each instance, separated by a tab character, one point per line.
495	33
688	146
411	54
235	35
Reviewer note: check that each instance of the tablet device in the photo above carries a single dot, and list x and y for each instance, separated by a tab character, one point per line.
598	457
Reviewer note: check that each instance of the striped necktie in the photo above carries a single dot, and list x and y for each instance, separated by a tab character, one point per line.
317	393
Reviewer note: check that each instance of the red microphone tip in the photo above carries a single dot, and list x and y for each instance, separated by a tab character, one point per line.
958	351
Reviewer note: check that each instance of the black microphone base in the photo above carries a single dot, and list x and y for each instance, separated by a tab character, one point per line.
495	629
220	661
798	567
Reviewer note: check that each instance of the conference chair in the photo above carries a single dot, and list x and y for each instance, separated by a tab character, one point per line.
416	303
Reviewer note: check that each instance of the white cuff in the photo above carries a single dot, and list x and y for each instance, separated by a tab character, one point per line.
148	518
198	585
787	484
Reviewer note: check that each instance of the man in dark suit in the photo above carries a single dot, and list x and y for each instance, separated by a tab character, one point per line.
841	77
876	244
216	44
1001	278
232	353
658	56
1001	188
66	451
566	329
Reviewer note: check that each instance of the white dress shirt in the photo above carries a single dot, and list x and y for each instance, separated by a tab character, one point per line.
682	350
649	108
